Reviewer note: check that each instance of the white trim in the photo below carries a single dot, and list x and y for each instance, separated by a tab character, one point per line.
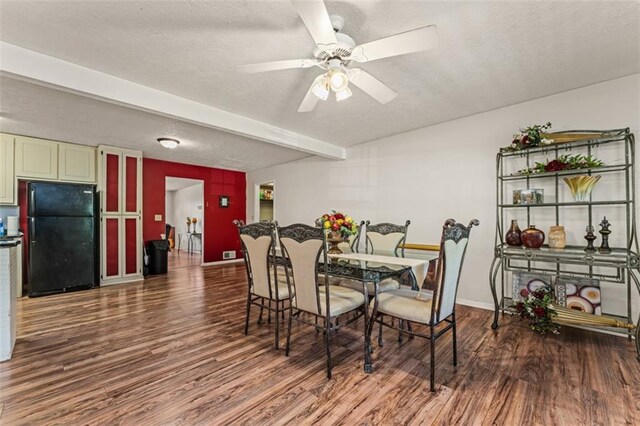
121	281
35	67
222	262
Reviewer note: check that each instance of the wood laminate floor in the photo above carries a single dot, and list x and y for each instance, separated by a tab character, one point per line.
171	351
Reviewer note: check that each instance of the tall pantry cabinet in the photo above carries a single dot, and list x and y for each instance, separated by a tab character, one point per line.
120	189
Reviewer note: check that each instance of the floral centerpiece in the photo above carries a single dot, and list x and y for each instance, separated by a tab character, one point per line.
564	162
529	137
537	308
188	224
339	227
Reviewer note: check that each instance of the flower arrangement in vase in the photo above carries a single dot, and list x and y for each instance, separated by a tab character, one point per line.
563	162
188	225
529	137
194	220
339	227
536	307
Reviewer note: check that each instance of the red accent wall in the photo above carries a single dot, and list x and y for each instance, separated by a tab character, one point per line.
220	233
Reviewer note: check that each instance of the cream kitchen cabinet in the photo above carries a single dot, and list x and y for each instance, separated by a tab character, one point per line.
36	158
76	163
56	161
7	175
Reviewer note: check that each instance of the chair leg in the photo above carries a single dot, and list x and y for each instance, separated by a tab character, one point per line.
277	320
327	332
269	313
261	310
286	352
433	360
246	320
410	328
282	309
400	327
317	329
380	343
367	338
455	343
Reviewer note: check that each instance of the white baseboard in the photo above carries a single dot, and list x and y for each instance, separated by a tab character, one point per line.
222	262
475	304
122	280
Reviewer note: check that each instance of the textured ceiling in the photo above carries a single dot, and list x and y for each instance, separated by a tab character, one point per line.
491	54
33	110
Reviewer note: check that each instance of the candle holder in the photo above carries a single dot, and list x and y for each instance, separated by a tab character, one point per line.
590	237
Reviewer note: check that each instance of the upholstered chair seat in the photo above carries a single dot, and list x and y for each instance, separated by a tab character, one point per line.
383	286
341	300
407	304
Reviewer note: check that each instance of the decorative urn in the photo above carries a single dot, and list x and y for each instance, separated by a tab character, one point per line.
532	237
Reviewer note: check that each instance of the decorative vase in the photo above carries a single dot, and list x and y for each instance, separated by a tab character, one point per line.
557	237
532	237
513	237
334	238
581	186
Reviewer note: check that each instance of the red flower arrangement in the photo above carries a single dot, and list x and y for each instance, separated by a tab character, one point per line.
537	308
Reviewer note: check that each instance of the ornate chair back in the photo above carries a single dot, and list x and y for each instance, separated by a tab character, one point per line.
453	246
257	244
386	237
302	245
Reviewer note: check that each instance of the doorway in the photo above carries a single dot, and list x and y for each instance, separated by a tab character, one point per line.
184	218
264	210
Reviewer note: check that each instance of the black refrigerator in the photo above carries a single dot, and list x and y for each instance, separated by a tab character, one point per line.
63	237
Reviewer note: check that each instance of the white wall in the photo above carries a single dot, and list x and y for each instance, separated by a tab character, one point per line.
441	171
169	212
188	202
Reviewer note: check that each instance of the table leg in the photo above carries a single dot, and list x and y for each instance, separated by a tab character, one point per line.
368	363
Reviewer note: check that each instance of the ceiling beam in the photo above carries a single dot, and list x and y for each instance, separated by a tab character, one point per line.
17	62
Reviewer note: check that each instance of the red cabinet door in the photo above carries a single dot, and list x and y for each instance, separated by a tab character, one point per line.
131	183
111	185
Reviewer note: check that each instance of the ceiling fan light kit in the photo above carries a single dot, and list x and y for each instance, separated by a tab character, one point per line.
335	52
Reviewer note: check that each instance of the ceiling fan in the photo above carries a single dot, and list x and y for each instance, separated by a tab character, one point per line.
335	52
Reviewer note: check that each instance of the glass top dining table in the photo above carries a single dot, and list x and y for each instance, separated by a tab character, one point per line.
379	266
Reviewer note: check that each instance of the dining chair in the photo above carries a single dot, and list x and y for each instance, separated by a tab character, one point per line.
386	237
382	238
265	286
302	247
433	309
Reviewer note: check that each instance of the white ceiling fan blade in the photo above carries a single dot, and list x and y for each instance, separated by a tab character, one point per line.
400	44
277	65
310	99
371	85
315	17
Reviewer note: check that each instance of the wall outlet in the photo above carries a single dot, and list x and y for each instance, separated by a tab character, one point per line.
158	218
229	254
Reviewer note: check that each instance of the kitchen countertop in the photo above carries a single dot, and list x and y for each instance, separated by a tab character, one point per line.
10	241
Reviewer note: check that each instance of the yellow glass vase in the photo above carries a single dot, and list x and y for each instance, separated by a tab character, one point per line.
581	186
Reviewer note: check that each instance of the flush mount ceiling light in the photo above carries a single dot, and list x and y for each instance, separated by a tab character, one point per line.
168	142
335	52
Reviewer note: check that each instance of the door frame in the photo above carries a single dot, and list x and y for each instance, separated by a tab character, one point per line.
204	208
256	199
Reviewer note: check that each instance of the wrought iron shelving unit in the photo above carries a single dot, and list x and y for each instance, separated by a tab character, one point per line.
621	266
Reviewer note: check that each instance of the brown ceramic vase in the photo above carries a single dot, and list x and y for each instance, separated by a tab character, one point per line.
513	237
532	237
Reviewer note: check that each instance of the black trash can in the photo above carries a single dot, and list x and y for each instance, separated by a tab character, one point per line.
157	251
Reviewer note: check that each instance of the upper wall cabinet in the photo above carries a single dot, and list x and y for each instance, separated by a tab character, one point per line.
49	160
7	175
36	158
76	163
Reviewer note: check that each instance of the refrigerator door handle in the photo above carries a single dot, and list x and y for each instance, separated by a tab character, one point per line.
32	231
32	203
